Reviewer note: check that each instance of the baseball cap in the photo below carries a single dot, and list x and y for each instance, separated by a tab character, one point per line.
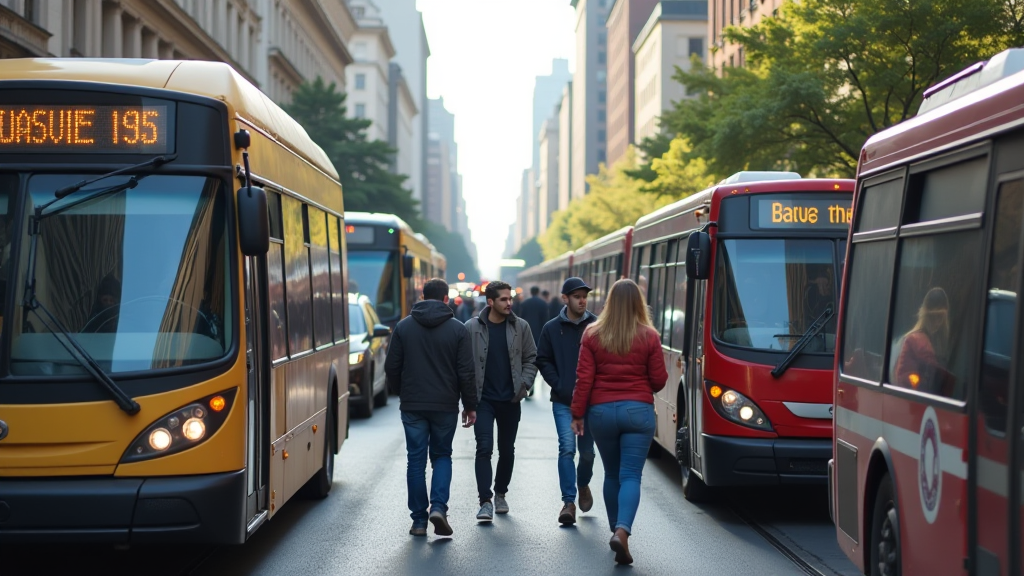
573	284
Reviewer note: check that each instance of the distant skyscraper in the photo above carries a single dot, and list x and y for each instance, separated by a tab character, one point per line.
565	147
441	197
590	91
725	13
547	92
547	173
625	20
367	77
409	37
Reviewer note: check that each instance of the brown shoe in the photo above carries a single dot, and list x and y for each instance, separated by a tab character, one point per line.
586	499
620	545
567	517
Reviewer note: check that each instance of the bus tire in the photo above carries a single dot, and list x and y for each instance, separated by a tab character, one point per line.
694	489
319	486
884	541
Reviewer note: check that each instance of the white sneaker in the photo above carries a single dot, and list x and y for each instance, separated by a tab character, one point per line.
500	505
486	512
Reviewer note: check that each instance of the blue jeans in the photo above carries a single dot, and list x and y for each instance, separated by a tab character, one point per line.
434	430
623	432
569	476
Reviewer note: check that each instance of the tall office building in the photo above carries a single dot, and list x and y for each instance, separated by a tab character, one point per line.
590	92
547	173
725	13
625	20
547	92
440	199
368	78
565	147
674	33
409	37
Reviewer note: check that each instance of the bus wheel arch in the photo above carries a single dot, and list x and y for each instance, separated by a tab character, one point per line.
880	470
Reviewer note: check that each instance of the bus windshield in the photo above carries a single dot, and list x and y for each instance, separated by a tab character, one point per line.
768	292
374	274
139	278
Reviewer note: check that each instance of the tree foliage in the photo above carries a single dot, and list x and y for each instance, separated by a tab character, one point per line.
827	74
677	174
615	200
362	165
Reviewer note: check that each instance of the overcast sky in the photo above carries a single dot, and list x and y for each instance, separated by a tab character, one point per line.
484	57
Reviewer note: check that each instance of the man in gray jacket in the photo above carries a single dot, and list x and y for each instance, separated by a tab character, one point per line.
503	354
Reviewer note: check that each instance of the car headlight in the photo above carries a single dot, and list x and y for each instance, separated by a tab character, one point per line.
182	429
737	408
355	358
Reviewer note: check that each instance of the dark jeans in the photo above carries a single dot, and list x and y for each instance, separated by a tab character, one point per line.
506	414
623	432
434	431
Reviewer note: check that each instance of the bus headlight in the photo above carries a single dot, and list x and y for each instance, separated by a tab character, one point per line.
182	429
737	408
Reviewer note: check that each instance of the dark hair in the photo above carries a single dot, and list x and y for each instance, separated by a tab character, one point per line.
545	293
534	291
435	289
493	288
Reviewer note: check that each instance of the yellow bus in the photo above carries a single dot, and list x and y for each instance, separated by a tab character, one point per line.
173	342
389	263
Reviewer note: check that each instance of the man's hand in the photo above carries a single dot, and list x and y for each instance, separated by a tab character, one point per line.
468	418
577	426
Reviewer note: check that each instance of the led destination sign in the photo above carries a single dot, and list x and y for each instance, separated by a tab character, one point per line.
780	211
89	129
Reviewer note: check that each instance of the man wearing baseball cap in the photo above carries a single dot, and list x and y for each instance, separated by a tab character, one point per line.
557	354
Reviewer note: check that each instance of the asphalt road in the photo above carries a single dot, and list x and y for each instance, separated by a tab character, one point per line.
362	527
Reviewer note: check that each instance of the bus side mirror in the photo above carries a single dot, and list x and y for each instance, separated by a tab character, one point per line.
698	256
253	221
407	265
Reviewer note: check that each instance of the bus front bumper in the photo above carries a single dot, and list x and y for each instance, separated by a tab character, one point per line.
731	461
208	508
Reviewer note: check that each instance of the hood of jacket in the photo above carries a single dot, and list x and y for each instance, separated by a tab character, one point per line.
588	317
431	313
482	318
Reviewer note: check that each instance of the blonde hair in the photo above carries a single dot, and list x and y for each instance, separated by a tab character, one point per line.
624	313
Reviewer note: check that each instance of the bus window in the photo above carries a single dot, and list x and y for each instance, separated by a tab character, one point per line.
296	266
275	279
8	189
880	206
338	298
769	292
1001	305
320	270
375	274
934	323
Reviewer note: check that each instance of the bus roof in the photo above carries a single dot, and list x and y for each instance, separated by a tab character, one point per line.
216	80
979	102
378	218
594	246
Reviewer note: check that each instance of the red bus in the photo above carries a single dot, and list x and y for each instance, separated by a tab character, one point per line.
601	262
929	452
741	281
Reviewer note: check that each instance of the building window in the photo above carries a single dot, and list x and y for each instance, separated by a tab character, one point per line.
601	75
697	47
360	81
31	11
602	136
360	110
602	38
601	116
602	96
601	57
601	157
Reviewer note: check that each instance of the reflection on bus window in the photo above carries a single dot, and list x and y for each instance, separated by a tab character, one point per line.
375	275
8	189
769	292
139	277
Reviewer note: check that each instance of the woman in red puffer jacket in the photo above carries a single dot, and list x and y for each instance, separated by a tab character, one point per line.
620	368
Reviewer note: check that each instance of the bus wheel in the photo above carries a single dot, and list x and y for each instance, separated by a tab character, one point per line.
694	489
319	485
884	542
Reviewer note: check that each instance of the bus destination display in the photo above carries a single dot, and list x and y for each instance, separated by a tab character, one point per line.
777	212
84	129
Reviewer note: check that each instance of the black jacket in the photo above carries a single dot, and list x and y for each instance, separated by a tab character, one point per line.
535	312
430	360
558	353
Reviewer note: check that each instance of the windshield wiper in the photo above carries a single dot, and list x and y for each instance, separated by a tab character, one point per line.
48	320
805	339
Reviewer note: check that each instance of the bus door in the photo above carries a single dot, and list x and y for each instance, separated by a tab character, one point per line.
694	375
991	465
257	435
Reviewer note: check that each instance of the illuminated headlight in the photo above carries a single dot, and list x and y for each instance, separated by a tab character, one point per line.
355	358
182	429
737	408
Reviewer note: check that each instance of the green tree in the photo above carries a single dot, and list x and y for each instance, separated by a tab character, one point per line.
530	253
362	165
677	174
827	74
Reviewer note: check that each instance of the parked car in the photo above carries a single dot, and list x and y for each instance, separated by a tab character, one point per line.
368	342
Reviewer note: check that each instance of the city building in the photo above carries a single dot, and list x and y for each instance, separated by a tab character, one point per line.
672	35
402	114
590	96
440	198
547	173
368	77
547	92
625	19
724	13
409	37
565	147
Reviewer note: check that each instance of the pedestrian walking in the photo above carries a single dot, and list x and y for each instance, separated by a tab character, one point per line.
555	306
503	354
535	312
430	366
557	354
620	368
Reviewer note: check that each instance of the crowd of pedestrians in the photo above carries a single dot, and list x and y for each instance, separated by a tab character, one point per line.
603	372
